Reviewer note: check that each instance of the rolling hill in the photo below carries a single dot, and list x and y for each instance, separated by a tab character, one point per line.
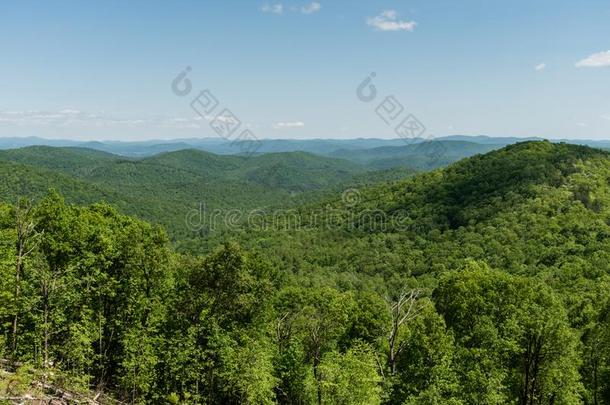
164	188
515	247
487	281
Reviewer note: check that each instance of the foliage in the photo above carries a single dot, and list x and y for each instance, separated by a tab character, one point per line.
487	283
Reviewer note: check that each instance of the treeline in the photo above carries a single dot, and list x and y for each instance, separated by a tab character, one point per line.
101	300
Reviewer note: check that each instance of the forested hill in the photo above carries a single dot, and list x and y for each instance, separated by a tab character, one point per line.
489	185
487	282
544	203
166	187
311	171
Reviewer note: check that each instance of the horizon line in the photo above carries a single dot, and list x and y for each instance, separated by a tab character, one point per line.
212	138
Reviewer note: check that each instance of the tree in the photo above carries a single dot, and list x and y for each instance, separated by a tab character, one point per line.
54	218
248	370
350	378
513	339
596	350
425	369
318	318
25	230
403	309
217	347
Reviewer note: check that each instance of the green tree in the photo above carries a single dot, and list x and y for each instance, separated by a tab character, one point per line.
350	378
425	368
514	340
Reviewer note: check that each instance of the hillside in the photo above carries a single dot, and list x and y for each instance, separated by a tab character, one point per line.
18	180
517	190
487	281
293	171
532	217
166	187
70	160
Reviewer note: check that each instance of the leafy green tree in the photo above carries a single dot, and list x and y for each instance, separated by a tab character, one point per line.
296	383
514	340
425	366
7	261
319	318
248	371
596	351
217	348
350	378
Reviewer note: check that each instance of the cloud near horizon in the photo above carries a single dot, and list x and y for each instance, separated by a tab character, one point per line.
287	125
311	8
600	59
277	8
75	118
388	21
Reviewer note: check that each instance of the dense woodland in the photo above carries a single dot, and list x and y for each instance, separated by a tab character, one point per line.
164	188
486	282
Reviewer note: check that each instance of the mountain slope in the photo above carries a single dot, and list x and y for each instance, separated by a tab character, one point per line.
528	207
18	180
484	282
167	187
484	185
70	160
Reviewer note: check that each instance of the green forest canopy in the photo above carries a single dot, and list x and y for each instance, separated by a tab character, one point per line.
487	282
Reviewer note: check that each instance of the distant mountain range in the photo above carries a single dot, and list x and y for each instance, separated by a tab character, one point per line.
419	156
325	147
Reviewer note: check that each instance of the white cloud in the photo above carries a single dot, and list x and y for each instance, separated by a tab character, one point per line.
69	111
600	59
540	67
277	8
181	122
227	119
582	124
389	14
605	117
311	8
79	119
388	21
285	125
37	118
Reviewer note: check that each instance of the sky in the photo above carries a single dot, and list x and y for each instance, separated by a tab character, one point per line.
108	70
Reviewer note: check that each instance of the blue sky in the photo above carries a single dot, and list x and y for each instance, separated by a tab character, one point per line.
290	69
